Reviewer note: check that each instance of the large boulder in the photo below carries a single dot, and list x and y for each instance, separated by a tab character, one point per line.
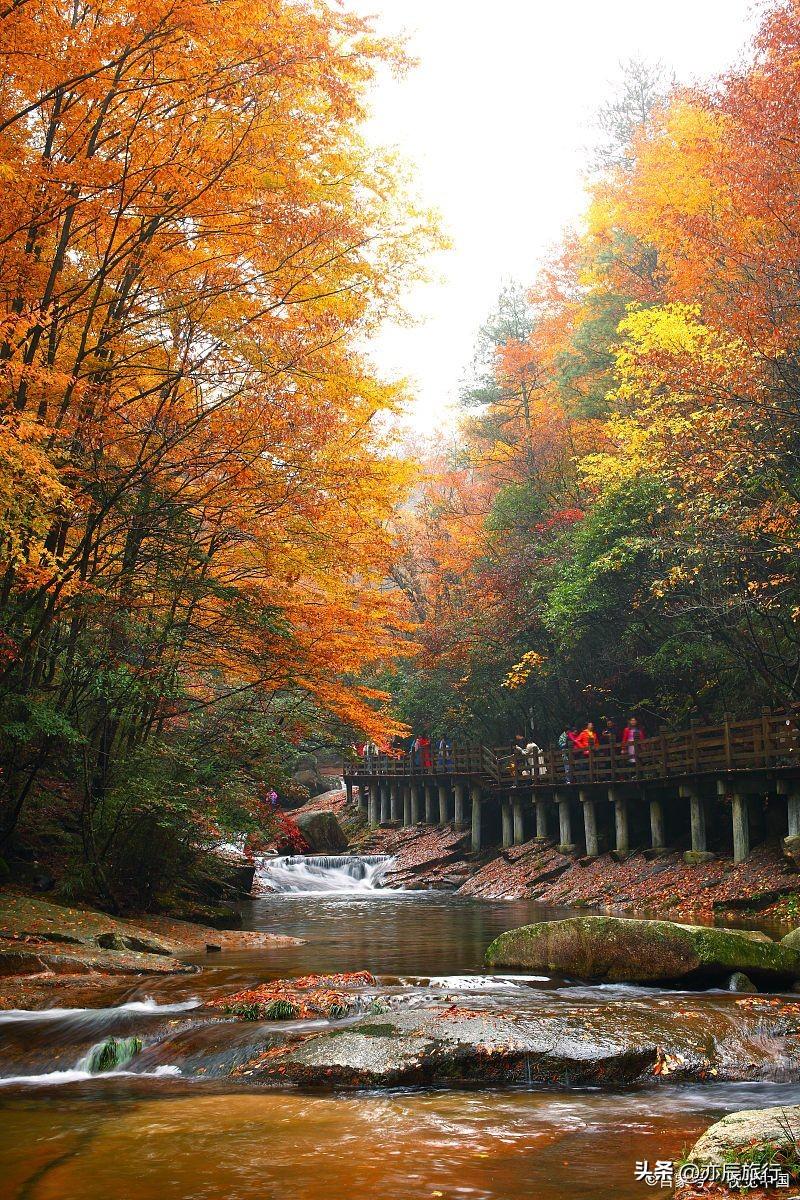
621	950
322	831
613	1044
743	1131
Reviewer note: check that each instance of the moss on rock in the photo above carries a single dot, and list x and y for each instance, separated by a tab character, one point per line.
622	950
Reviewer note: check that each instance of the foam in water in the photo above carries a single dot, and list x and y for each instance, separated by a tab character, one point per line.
324	873
80	1074
90	1015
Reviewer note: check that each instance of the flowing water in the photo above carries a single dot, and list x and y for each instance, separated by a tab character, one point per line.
169	1125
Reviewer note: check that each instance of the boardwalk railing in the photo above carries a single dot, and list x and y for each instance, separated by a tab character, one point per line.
769	741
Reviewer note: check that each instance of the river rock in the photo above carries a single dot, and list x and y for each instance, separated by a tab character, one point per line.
739	982
47	960
614	1044
792	939
745	1129
622	950
322	831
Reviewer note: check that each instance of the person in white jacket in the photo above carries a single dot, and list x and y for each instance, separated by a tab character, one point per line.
535	757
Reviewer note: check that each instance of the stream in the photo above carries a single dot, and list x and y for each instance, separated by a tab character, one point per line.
170	1125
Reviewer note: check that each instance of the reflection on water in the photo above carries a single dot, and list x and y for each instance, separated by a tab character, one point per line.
235	1146
153	1137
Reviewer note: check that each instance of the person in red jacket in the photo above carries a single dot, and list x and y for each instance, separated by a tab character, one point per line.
632	735
586	740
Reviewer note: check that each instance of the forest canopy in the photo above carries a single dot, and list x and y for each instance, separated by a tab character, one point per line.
614	526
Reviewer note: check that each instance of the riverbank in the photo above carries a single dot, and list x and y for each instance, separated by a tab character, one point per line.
72	954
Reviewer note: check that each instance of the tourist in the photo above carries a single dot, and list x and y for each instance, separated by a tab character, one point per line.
534	755
444	754
587	740
519	762
564	742
424	752
609	734
632	735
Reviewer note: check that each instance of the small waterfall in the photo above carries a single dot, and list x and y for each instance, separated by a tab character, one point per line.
323	872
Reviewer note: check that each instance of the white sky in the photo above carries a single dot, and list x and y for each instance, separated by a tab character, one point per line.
496	119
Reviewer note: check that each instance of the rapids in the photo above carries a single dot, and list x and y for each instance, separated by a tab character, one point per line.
173	1124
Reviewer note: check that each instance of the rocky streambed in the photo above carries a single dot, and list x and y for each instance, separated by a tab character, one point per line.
568	1019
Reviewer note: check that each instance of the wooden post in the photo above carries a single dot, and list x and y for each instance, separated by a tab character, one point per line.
590	824
657	836
519	822
726	729
793	812
443	804
621	837
477	831
459	804
348	791
386	809
430	818
407	805
394	800
362	796
697	815
373	810
541	819
741	826
564	822
507	830
414	789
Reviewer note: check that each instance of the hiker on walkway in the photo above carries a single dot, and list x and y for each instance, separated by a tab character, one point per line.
423	752
585	741
444	754
564	743
519	763
632	736
534	755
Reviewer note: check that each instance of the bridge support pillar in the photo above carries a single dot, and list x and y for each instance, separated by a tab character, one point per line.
541	820
415	806
519	823
620	827
740	816
386	804
791	790
444	798
697	814
508	835
430	818
373	808
406	789
459	804
477	823
348	791
362	796
394	801
564	823
657	836
590	824
793	813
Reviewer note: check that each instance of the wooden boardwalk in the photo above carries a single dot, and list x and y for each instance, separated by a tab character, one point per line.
710	767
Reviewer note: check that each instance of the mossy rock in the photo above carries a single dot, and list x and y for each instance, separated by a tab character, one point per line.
792	940
621	950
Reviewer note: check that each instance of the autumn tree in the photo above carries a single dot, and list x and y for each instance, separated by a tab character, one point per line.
194	239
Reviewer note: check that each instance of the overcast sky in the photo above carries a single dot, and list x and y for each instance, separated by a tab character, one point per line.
496	119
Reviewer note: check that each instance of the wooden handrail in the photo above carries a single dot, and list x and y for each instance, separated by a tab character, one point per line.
768	741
